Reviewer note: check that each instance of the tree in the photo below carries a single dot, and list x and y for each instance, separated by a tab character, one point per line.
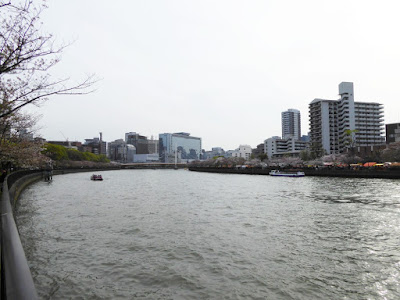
17	146
26	56
316	150
263	156
349	139
305	155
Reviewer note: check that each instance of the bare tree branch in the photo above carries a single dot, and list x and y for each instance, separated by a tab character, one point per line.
26	56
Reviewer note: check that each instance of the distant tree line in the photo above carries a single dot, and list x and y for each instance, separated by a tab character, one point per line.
61	153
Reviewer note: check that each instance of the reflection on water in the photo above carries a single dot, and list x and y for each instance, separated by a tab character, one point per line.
179	234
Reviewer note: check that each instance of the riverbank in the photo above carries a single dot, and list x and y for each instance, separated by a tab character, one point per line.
323	172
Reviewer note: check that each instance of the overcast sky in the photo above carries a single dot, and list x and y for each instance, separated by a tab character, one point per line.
222	70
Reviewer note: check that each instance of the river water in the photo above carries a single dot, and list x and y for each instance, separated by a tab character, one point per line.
166	234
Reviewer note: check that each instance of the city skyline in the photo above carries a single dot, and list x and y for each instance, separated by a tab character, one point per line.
222	71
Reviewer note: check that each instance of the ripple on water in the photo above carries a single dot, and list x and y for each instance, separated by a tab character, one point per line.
167	235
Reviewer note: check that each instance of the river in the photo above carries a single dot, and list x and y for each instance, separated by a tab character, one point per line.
176	234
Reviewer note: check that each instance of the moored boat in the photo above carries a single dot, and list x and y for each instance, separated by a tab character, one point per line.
286	174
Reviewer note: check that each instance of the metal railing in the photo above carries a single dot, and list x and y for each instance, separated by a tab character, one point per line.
16	278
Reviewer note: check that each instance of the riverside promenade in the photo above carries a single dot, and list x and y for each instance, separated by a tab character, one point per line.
322	172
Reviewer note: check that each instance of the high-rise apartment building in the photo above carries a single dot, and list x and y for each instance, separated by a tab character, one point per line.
331	121
291	127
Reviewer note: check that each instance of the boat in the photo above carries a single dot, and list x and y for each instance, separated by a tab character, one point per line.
286	174
96	177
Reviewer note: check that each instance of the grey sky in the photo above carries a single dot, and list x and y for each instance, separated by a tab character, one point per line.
223	70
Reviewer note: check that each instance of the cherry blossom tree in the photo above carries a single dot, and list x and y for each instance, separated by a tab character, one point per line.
26	57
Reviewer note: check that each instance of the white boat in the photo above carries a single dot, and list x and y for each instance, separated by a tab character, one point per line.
286	174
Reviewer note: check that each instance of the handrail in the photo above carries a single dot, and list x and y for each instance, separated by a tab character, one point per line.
17	282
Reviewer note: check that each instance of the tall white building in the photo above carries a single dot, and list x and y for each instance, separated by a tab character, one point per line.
330	119
291	127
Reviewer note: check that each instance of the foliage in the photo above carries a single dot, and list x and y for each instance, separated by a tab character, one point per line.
60	153
26	56
316	150
220	162
21	153
349	139
215	157
55	152
263	156
305	155
17	148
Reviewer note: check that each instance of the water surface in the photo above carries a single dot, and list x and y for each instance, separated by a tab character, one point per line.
166	234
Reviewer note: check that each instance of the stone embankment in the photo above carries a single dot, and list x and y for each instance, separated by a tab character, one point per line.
324	172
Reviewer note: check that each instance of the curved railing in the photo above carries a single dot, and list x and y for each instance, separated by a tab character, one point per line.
16	278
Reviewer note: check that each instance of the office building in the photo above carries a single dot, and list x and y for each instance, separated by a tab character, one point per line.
291	127
141	143
331	121
188	147
117	150
95	145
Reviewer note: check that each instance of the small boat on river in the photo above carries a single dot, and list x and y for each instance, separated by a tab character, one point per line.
286	174
96	177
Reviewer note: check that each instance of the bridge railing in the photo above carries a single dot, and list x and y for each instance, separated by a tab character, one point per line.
16	278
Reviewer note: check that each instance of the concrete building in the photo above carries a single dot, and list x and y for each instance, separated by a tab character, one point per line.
258	150
243	151
120	151
215	151
142	144
305	138
130	153
276	146
95	145
330	120
228	153
188	147
392	133
153	146
291	125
